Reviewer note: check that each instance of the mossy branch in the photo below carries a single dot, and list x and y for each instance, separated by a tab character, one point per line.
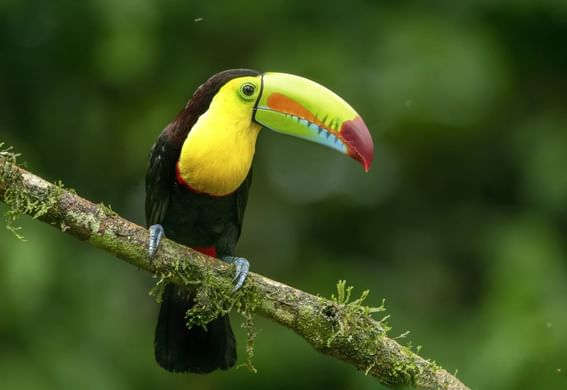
339	327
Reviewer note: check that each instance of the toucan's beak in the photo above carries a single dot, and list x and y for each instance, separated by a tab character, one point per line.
300	107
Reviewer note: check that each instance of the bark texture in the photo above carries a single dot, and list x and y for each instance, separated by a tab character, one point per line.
339	327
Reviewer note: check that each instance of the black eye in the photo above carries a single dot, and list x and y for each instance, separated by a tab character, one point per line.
248	89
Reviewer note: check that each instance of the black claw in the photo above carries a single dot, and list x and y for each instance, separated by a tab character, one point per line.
156	234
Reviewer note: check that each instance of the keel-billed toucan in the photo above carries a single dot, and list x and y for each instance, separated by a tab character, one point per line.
198	179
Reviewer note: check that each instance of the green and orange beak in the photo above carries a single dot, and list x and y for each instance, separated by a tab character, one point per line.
302	108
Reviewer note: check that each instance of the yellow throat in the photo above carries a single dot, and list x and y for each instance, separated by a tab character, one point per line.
217	154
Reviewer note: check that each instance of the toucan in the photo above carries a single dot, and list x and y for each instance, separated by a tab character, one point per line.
199	176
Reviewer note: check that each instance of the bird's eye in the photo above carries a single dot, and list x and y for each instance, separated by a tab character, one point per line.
247	89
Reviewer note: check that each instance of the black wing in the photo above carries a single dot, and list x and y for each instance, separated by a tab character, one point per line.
226	243
160	177
242	200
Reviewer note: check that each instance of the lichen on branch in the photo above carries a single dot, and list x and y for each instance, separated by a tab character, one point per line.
17	196
338	327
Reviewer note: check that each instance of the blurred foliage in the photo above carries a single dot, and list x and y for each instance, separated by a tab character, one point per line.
460	225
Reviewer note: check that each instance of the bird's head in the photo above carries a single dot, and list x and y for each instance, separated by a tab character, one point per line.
219	125
296	106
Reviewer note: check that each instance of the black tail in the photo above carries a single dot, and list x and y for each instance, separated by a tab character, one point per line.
179	349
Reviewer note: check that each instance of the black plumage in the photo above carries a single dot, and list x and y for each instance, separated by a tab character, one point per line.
196	220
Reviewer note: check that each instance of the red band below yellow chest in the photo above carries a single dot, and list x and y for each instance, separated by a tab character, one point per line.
207	250
182	182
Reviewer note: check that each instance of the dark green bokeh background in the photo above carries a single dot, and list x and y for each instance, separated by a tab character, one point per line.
460	225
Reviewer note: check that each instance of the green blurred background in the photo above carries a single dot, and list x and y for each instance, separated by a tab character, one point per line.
460	225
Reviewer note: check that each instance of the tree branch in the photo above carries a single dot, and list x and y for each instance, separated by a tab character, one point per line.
338	327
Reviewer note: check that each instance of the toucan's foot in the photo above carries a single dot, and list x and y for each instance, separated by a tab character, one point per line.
156	234
242	266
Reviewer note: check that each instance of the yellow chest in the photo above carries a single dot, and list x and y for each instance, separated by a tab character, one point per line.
217	154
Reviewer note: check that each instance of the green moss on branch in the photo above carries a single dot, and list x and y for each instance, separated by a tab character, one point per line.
339	327
18	196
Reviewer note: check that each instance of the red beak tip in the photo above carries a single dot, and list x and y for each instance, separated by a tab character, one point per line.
359	140
366	164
